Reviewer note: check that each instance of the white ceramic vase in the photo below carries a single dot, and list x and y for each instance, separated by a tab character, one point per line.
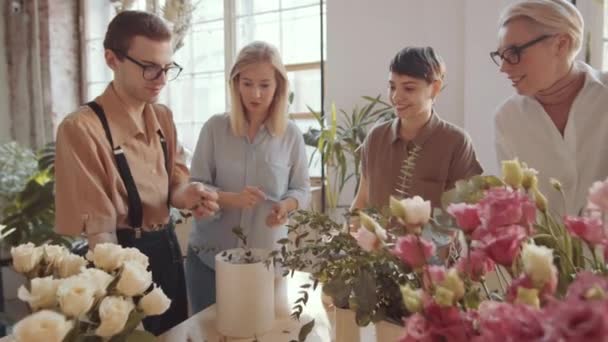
388	332
346	327
245	293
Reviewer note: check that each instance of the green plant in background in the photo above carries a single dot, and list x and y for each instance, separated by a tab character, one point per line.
29	216
17	164
339	141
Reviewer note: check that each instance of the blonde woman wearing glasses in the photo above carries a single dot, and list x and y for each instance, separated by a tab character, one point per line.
256	160
558	120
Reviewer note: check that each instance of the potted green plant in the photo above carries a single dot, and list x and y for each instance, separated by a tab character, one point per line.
364	286
338	140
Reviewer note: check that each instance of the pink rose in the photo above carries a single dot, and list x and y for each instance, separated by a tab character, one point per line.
475	265
466	216
598	195
500	322
367	240
590	229
583	283
413	250
503	207
416	329
501	244
577	320
448	323
436	275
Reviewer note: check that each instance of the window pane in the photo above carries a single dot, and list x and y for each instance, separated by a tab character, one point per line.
605	19
301	35
605	61
206	10
208	46
194	99
95	89
315	165
306	86
259	27
183	56
139	5
98	14
179	95
248	7
97	70
286	4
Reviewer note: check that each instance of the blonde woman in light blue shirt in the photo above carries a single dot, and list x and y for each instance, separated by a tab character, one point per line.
255	159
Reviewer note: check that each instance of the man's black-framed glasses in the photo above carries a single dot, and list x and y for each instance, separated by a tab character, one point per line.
512	54
152	72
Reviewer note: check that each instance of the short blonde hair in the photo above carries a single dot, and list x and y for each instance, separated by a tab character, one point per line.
551	17
253	53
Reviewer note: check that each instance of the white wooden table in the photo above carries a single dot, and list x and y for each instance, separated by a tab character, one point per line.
202	326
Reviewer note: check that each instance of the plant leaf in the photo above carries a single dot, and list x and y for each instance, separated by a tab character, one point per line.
306	330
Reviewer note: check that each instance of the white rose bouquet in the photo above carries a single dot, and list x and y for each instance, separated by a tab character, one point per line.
102	297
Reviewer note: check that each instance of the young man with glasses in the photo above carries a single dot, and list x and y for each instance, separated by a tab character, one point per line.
558	121
119	167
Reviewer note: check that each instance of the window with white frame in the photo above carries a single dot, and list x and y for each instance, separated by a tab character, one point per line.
605	37
219	28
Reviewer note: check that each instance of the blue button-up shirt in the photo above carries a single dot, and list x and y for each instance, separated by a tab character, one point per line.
276	164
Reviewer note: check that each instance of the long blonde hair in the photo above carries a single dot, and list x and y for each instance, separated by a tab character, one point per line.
550	16
253	53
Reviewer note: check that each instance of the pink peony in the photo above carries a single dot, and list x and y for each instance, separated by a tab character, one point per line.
501	244
598	195
590	229
503	207
413	250
367	240
466	215
475	265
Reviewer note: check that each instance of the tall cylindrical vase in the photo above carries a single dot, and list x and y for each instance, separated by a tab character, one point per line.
281	297
244	295
346	329
388	332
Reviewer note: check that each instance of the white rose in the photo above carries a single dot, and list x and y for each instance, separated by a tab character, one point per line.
26	257
113	313
43	293
155	302
134	279
70	265
99	278
538	264
76	296
107	256
412	211
417	211
133	254
54	253
45	325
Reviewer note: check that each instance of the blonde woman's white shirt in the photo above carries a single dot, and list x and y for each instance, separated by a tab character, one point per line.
577	159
